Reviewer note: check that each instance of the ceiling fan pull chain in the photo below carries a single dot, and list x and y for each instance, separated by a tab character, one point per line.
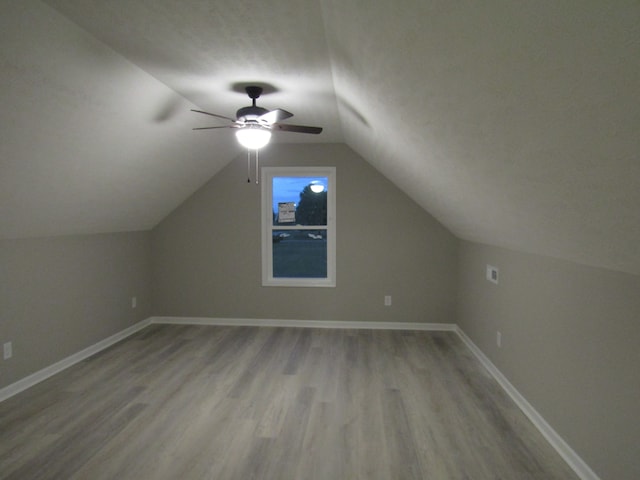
248	166
257	163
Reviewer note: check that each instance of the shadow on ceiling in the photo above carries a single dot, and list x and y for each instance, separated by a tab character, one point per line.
353	111
168	109
239	87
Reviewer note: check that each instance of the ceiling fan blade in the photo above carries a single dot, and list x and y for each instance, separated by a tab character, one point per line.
274	116
214	115
285	127
209	128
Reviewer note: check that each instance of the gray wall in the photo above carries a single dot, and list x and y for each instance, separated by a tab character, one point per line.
570	345
570	333
59	295
207	254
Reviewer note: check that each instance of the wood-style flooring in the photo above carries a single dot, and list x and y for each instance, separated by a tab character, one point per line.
201	402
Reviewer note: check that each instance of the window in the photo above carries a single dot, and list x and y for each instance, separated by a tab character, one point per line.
298	226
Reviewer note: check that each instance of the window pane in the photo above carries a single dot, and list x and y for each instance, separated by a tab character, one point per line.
300	200
299	253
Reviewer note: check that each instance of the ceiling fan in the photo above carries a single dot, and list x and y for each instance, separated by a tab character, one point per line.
254	124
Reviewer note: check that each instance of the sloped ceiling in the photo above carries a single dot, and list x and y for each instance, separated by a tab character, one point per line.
514	123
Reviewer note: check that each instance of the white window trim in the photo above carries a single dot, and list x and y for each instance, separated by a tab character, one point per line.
267	226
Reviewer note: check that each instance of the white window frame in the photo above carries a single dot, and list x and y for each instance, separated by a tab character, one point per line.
268	173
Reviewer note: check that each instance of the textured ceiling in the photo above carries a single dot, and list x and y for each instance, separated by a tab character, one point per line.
514	123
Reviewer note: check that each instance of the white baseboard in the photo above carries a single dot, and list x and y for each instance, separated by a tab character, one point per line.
266	322
40	375
555	440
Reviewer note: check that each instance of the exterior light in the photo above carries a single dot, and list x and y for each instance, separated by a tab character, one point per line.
316	187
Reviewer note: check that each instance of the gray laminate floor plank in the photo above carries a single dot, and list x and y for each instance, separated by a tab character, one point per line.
201	402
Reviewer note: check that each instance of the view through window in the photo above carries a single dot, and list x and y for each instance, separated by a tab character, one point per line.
298	226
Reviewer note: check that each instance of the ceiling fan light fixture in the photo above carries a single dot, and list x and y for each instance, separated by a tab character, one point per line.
253	138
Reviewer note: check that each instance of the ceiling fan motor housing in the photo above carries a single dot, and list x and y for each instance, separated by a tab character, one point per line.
250	113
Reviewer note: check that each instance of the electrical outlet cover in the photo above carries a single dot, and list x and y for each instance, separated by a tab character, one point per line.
492	274
7	350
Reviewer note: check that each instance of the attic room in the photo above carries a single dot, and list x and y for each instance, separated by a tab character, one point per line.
486	229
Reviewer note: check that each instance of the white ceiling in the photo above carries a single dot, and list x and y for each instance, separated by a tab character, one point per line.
514	123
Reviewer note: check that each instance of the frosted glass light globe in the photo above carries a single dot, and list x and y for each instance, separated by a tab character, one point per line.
253	138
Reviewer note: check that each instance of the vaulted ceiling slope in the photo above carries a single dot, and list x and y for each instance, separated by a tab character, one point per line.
514	123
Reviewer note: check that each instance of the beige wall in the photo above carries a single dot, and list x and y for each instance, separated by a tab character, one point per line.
59	295
207	254
570	345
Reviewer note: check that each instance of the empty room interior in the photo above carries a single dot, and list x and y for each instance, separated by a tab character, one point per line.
430	267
